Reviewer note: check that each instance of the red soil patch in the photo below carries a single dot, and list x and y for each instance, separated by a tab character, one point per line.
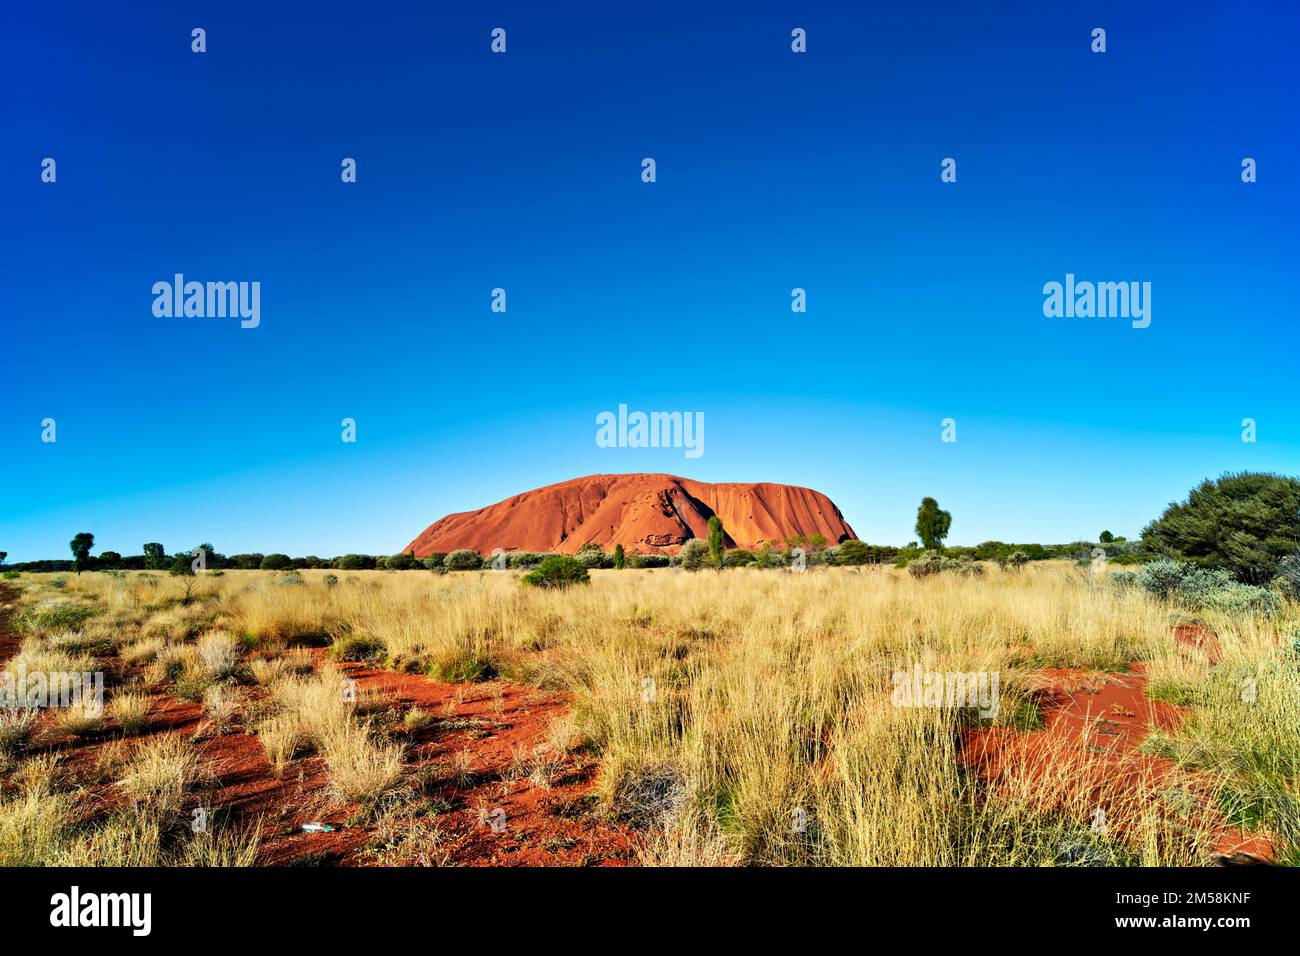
543	826
1199	637
493	722
646	513
1098	720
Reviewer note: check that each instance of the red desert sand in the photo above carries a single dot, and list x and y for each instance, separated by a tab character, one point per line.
646	513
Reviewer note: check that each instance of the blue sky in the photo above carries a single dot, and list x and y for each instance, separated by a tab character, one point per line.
775	170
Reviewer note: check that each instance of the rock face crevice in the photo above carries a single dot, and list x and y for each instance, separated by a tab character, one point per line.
646	513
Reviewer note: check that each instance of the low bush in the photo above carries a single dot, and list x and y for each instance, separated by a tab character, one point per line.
357	646
218	655
17	724
694	554
557	571
131	711
1199	587
463	561
928	563
162	771
83	717
360	770
737	558
932	562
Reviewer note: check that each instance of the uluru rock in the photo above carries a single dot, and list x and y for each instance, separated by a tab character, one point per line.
646	513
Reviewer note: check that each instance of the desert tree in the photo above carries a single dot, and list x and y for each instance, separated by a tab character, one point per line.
932	524
620	559
182	566
81	545
715	541
155	556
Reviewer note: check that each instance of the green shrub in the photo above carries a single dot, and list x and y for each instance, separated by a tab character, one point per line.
852	553
461	666
591	556
354	562
434	560
928	563
557	571
525	560
402	562
932	562
1245	599
1243	523
191	685
1200	587
357	646
694	554
277	562
738	558
463	560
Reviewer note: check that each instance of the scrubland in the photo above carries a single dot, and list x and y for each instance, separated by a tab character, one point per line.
740	717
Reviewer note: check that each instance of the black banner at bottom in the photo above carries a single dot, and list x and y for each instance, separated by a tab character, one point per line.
342	906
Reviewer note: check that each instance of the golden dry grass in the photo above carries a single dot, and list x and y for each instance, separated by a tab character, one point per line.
745	716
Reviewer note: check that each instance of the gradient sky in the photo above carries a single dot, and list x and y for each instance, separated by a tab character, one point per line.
522	170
